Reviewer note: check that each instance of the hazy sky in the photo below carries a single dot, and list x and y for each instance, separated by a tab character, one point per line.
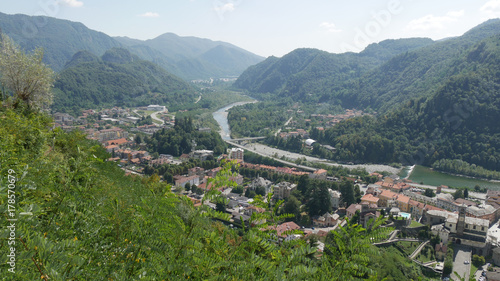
271	27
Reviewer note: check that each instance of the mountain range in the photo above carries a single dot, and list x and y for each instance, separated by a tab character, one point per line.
437	101
187	57
381	77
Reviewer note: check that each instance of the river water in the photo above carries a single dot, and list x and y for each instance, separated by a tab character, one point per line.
221	117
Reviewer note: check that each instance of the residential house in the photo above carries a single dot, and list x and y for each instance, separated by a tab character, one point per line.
202	155
283	190
402	202
260	182
370	199
236	153
182	181
440	251
387	198
326	220
334	198
319	174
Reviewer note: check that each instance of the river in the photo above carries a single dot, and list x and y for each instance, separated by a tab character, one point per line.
221	117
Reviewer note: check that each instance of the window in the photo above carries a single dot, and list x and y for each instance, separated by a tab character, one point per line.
474	227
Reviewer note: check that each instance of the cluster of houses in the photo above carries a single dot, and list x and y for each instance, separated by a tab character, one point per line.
458	220
330	120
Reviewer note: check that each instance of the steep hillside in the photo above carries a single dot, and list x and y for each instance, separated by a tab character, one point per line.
312	74
186	57
458	121
118	78
60	39
414	74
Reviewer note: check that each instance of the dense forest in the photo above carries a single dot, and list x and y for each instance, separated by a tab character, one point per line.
381	77
180	139
118	78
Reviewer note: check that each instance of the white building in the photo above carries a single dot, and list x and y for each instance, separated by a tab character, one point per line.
334	198
155	107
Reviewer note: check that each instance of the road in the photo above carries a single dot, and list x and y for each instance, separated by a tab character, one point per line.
480	271
153	115
199	98
291	156
286	124
462	254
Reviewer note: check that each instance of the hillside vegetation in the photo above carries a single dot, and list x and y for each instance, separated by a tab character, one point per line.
186	57
118	78
460	121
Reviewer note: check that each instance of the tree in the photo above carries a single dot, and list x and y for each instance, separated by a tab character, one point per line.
292	206
138	139
459	193
478	261
319	203
25	75
187	187
347	191
260	190
466	193
357	193
429	192
238	190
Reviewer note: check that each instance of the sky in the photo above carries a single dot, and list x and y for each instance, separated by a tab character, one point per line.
271	27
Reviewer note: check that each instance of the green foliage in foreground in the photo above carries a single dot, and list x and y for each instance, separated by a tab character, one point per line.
81	218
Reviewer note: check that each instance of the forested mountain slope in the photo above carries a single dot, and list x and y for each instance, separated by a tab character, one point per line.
60	39
310	74
186	57
382	77
118	78
458	121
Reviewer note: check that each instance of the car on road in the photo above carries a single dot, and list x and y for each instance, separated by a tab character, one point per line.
466	262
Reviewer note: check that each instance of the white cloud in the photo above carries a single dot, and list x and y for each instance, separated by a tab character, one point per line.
72	3
228	7
149	15
455	14
491	9
330	27
431	22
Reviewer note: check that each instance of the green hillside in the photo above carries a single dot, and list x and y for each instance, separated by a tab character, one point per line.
459	121
118	78
60	39
313	75
186	57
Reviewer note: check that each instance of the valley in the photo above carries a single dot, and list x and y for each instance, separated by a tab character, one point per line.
174	157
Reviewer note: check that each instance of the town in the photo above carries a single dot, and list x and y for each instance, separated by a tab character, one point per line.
468	221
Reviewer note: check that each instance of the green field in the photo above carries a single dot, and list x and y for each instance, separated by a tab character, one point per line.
431	177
